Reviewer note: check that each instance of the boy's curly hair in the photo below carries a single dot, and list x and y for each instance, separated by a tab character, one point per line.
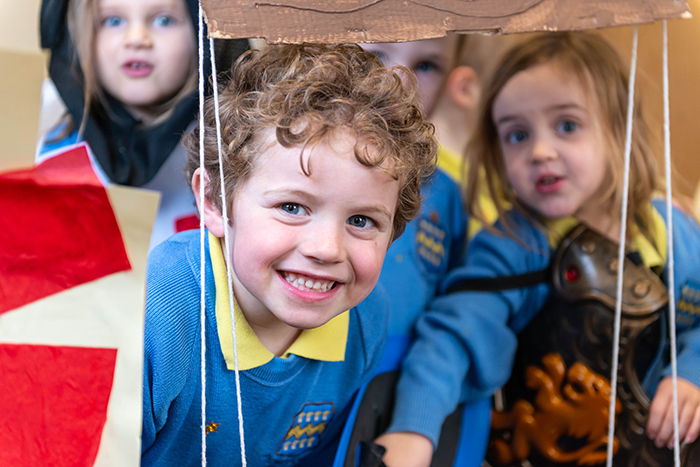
304	92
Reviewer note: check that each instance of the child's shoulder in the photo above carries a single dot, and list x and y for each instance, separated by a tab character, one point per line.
173	289
180	246
685	226
57	138
441	184
373	309
372	317
526	234
376	301
174	263
498	251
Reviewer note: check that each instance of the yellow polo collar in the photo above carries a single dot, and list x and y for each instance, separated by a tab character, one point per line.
652	255
325	343
451	163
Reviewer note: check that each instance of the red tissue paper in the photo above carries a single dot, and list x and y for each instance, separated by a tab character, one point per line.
57	230
53	404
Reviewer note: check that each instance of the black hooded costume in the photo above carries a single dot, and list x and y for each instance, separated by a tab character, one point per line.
128	152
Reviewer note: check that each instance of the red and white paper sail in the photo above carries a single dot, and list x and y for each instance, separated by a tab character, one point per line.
58	230
72	274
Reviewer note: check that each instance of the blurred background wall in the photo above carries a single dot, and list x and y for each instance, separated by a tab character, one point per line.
22	66
684	89
19	21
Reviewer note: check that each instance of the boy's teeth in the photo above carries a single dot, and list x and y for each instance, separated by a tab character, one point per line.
307	284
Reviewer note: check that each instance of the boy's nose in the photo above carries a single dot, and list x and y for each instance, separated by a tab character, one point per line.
138	35
324	244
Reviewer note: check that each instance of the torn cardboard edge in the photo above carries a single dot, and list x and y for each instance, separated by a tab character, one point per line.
320	21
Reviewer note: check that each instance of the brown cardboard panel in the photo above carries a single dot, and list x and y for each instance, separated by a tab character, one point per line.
20	102
294	21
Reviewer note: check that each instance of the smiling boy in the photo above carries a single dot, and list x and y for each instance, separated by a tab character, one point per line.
324	152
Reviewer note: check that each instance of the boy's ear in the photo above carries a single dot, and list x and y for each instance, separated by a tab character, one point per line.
464	87
210	213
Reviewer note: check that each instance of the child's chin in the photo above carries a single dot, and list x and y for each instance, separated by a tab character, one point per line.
554	213
309	322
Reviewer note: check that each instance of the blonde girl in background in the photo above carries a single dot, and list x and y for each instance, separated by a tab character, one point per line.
550	139
126	71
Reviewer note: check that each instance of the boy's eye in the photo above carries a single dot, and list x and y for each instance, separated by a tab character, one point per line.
567	126
112	21
360	221
293	208
163	20
515	137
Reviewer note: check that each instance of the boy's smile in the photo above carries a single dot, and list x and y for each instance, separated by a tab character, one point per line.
307	248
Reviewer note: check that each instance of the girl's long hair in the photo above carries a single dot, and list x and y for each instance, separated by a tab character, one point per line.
603	75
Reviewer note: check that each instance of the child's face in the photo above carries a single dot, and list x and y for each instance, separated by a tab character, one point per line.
552	143
431	60
307	248
144	51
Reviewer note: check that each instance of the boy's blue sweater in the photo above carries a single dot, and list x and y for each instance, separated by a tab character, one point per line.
293	408
418	261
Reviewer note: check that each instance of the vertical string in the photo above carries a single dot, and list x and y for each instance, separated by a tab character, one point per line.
227	255
202	268
621	250
671	263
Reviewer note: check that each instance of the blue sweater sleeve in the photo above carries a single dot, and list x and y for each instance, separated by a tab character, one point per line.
373	320
171	324
466	343
686	247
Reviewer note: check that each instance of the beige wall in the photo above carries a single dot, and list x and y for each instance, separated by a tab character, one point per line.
21	74
684	89
19	25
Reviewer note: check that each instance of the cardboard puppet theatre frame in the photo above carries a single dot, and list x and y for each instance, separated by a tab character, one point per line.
320	21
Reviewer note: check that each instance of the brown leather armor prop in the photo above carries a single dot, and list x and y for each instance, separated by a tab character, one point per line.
556	404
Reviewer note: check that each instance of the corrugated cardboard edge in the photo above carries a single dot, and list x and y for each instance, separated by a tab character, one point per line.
320	21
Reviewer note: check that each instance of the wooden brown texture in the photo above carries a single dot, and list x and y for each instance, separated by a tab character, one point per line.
324	21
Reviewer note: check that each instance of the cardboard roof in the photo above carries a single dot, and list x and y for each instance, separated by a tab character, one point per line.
324	21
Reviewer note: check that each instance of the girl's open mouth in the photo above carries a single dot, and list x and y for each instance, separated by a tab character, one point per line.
137	69
549	183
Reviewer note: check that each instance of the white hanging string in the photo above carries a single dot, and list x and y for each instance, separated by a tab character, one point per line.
227	255
621	250
202	268
671	263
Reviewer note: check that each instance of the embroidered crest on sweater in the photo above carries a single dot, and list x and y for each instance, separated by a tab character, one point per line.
307	428
688	309
430	242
